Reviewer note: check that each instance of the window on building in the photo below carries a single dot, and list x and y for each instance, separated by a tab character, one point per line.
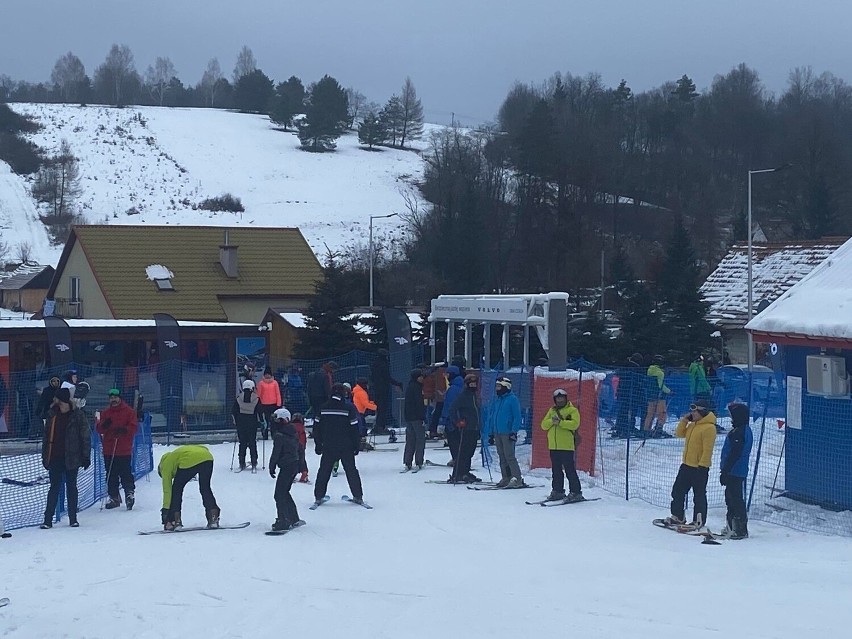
74	293
164	285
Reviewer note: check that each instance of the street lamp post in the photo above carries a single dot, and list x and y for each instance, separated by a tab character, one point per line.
750	282
374	217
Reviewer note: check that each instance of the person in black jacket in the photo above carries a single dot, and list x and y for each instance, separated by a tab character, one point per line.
319	386
285	459
414	413
336	438
381	382
464	415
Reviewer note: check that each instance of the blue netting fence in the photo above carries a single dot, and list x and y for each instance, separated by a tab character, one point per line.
24	482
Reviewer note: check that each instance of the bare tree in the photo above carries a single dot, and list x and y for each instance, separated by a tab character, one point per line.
6	86
159	76
58	183
68	76
210	80
117	71
357	103
246	63
25	252
4	252
412	113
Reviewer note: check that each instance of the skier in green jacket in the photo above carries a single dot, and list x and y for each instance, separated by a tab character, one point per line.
177	468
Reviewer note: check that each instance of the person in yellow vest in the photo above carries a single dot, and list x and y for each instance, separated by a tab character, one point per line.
561	423
177	468
698	428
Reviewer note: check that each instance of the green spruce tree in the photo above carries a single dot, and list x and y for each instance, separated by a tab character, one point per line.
329	325
684	308
372	131
326	115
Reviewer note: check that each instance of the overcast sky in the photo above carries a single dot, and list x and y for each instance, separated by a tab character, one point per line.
463	55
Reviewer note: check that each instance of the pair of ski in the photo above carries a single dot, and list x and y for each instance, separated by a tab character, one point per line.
346	498
710	538
549	503
426	463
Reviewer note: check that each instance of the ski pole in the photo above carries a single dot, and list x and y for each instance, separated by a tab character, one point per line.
458	454
109	471
234	451
263	448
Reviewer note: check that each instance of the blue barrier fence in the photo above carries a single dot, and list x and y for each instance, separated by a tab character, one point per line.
24	483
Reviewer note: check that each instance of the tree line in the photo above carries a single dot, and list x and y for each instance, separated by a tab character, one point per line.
327	108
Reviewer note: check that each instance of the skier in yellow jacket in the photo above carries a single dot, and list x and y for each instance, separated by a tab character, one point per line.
698	428
177	468
561	423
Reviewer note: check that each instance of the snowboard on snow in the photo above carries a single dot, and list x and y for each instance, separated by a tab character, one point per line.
193	529
319	503
278	533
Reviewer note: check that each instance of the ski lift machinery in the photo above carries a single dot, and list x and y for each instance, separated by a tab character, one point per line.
546	312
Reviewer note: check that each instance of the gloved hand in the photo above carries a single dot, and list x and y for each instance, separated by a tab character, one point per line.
164	515
491	440
272	472
555	419
86	464
318	449
723	479
513	437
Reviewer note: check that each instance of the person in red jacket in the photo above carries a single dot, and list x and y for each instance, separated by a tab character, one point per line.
269	395
298	422
117	427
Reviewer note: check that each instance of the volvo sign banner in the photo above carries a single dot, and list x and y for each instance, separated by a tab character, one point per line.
480	309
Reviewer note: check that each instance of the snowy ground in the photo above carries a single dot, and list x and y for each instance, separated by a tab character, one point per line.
149	165
428	561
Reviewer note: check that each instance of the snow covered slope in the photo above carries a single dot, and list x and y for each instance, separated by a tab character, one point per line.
19	222
151	165
428	561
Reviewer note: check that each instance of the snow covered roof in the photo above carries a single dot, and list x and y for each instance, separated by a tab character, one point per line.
818	306
775	268
25	274
297	320
109	323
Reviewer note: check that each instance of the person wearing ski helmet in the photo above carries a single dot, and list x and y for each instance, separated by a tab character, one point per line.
561	423
246	413
463	430
504	422
285	459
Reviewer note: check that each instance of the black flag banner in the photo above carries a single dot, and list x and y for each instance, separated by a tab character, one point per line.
169	369
59	342
400	350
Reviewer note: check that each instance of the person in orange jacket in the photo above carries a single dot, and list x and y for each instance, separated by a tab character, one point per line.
269	396
361	399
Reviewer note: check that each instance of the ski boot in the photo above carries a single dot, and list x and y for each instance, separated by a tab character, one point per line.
392	436
470	478
515	483
574	497
304	478
740	529
175	523
673	521
129	499
213	517
556	495
113	502
281	524
502	483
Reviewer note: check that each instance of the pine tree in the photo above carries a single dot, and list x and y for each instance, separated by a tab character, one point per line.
329	324
641	325
393	119
372	131
253	92
289	101
684	308
326	115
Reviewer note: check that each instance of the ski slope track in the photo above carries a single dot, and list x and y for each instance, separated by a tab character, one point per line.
150	165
